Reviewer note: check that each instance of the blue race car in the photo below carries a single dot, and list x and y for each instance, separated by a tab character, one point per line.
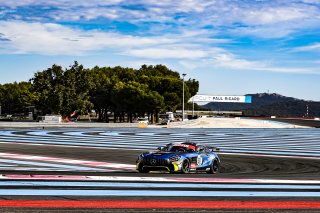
180	157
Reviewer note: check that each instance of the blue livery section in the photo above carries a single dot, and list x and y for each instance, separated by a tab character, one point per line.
248	99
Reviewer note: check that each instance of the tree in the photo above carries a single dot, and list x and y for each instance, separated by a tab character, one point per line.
101	92
168	84
193	86
48	85
77	83
15	97
152	103
122	91
128	98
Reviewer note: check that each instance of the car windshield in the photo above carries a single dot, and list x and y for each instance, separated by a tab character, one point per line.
180	149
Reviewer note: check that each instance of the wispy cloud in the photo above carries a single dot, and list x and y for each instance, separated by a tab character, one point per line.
161	53
192	32
231	61
85	14
57	39
59	3
54	39
312	1
312	47
265	19
228	61
274	15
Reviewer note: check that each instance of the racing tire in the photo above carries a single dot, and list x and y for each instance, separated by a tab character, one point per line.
214	167
141	170
185	167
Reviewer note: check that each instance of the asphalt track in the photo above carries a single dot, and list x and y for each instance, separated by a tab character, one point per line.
236	166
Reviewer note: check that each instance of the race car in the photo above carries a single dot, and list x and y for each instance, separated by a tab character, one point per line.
180	157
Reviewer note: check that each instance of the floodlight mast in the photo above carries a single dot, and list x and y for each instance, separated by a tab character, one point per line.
183	75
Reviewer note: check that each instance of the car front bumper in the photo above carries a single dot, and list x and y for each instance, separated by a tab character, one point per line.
170	167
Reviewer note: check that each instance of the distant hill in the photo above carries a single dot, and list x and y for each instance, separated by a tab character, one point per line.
267	104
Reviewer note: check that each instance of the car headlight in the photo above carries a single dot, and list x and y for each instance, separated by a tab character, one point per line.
141	156
174	158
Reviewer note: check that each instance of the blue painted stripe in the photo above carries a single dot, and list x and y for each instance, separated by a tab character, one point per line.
260	141
156	185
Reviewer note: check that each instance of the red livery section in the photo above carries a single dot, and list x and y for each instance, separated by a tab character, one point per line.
119	204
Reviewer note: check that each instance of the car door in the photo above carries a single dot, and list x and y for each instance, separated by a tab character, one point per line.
204	157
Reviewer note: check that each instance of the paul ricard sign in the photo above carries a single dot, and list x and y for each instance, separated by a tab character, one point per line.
220	98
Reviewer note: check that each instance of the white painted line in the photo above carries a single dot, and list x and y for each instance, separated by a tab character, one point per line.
123	178
270	155
158	179
69	161
149	185
71	146
25	165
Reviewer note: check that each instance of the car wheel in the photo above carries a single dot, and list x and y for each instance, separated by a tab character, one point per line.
141	170
185	168
214	167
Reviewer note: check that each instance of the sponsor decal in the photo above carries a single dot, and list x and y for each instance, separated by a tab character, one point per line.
199	160
219	98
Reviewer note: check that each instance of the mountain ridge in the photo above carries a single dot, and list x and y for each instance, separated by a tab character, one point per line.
268	104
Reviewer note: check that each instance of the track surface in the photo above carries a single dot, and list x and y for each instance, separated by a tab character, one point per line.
245	158
233	166
244	152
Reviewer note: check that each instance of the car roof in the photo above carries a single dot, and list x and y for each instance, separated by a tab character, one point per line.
190	143
186	143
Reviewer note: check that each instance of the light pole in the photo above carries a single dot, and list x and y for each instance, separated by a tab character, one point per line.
183	75
193	107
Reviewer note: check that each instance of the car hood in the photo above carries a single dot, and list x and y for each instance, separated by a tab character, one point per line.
161	154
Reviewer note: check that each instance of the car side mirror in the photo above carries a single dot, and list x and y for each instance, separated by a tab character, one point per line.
160	148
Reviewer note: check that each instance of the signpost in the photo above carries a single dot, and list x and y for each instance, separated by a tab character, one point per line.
220	98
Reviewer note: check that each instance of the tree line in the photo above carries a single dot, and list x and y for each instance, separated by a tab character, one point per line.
125	93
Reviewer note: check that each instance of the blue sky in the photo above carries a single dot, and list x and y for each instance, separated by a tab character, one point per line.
233	47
